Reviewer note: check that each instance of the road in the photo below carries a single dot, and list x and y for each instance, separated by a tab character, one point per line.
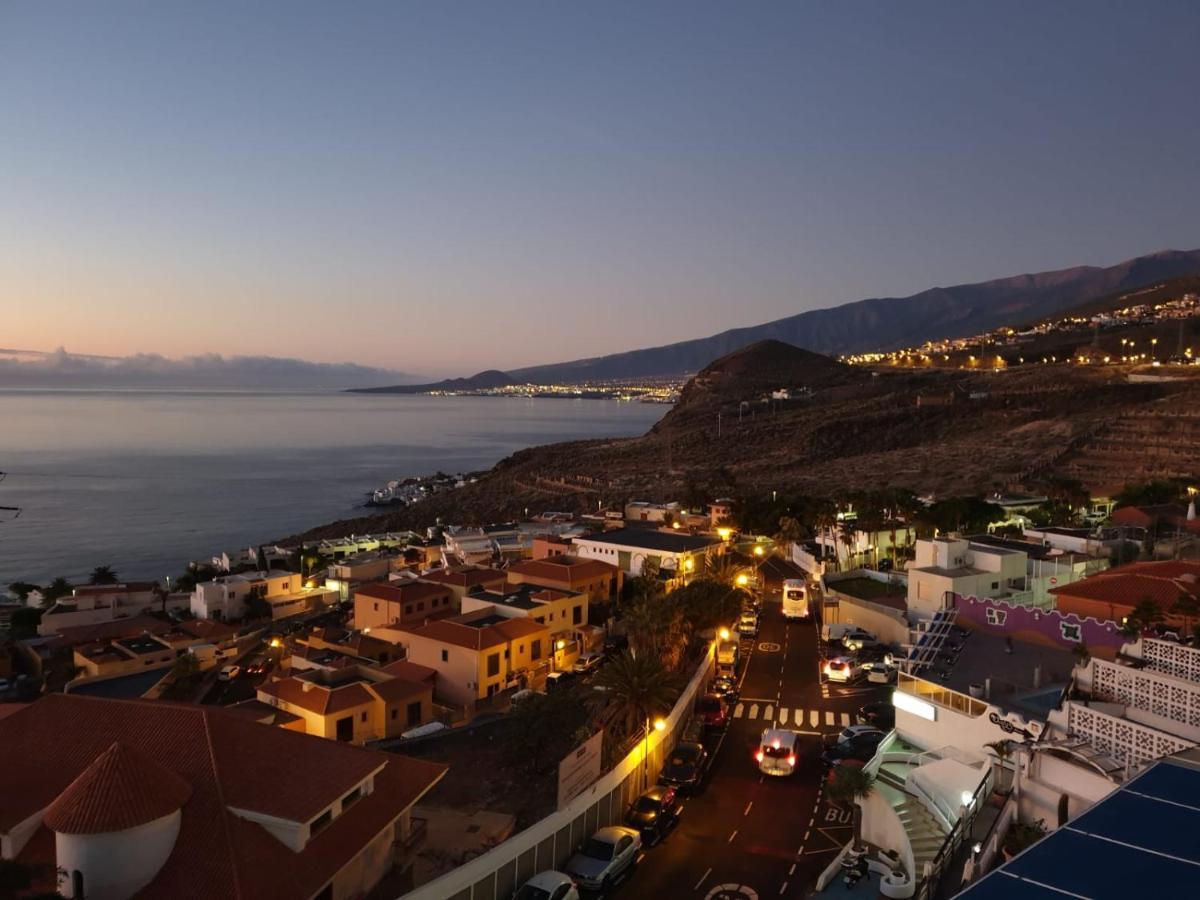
746	835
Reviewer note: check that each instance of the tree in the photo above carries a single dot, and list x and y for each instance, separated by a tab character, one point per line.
22	589
791	531
1003	749
850	785
656	628
723	570
55	590
1186	607
1141	618
543	728
706	604
633	690
1149	493
103	575
195	574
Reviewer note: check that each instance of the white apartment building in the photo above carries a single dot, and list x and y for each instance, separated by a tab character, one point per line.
629	549
95	603
953	565
225	597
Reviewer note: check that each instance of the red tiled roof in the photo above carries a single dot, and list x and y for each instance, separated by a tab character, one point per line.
229	763
409	671
121	789
395	689
563	568
1162	582
105	631
467	578
318	698
399	593
453	631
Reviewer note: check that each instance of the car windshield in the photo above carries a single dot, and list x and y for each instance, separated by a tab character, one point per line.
776	752
598	849
683	756
646	804
531	892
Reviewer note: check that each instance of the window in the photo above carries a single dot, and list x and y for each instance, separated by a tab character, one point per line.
445	656
362	717
408	609
351	797
414	713
577	615
493	665
535	650
995	585
320	821
394	712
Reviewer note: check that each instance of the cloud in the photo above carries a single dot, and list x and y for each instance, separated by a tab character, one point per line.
62	369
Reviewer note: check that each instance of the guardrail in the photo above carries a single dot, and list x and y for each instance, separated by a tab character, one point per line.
549	843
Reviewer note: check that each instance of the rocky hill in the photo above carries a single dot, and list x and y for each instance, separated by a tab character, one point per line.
942	431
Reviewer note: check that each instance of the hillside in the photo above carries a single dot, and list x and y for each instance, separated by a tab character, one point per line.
942	431
492	378
887	323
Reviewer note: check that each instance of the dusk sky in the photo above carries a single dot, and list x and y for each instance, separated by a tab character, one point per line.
447	187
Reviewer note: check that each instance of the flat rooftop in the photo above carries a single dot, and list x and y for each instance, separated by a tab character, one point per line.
484	621
141	645
986	656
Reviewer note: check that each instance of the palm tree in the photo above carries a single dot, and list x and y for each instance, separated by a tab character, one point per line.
103	575
634	690
1144	616
849	786
1003	750
59	587
722	569
791	531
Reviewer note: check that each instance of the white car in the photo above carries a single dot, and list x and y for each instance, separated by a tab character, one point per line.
548	885
748	624
588	662
777	752
228	673
604	857
880	672
841	668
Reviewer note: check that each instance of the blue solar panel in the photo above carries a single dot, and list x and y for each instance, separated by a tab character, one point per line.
1125	846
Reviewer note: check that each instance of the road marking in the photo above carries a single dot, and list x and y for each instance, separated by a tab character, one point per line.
845	718
737	711
783	887
828	717
806	834
753	711
732	836
748	805
639	859
814	718
769	711
792	870
783	716
702	878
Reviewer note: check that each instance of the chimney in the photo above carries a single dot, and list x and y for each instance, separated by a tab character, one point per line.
306	686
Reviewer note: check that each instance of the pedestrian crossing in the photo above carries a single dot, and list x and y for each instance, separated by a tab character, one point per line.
796	717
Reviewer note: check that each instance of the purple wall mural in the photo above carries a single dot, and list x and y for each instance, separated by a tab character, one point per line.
1041	626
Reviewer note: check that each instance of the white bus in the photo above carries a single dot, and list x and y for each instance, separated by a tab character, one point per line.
795	598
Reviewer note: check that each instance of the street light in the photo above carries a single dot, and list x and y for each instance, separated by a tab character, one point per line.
743	579
724	634
758	550
659	725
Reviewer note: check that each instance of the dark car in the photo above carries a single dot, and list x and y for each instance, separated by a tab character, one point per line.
855	742
654	813
881	714
685	767
615	643
727	687
711	709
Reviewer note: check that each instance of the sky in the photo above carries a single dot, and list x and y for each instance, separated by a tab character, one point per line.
445	187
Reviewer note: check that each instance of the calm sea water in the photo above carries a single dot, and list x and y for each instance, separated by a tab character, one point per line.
146	481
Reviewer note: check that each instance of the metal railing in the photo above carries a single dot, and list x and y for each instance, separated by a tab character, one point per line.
928	880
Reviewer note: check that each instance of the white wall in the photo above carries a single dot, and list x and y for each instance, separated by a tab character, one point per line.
118	864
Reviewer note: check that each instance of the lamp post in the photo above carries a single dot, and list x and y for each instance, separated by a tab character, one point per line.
659	725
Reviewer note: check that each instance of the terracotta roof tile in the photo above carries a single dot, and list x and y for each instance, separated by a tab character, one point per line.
401	592
121	789
566	569
466	578
409	671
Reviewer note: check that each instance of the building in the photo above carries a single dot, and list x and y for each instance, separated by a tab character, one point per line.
225	597
854	547
1113	594
629	549
547	545
564	613
354	703
946	566
120	656
1047	567
600	580
476	654
463	581
1086	541
377	605
645	511
120	798
93	604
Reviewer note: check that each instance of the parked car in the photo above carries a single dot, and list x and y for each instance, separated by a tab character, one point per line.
879	672
604	857
558	680
859	639
654	813
841	668
259	667
855	742
711	708
548	885
587	663
726	686
881	715
685	767
229	673
747	625
777	752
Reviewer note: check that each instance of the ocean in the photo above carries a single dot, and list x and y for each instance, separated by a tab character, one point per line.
146	481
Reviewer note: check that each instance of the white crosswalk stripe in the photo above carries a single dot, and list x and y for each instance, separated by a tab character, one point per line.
783	716
828	717
797	717
845	718
753	714
814	718
769	711
737	711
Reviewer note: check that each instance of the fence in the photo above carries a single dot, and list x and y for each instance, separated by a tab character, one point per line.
548	844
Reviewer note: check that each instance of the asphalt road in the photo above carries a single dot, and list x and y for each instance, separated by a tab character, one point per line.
747	835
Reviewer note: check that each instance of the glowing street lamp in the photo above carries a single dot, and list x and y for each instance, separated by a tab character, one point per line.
743	579
724	634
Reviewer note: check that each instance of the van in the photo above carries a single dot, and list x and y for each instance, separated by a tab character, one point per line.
834	631
556	680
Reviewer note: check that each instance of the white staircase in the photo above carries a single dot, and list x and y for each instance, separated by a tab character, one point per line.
926	834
